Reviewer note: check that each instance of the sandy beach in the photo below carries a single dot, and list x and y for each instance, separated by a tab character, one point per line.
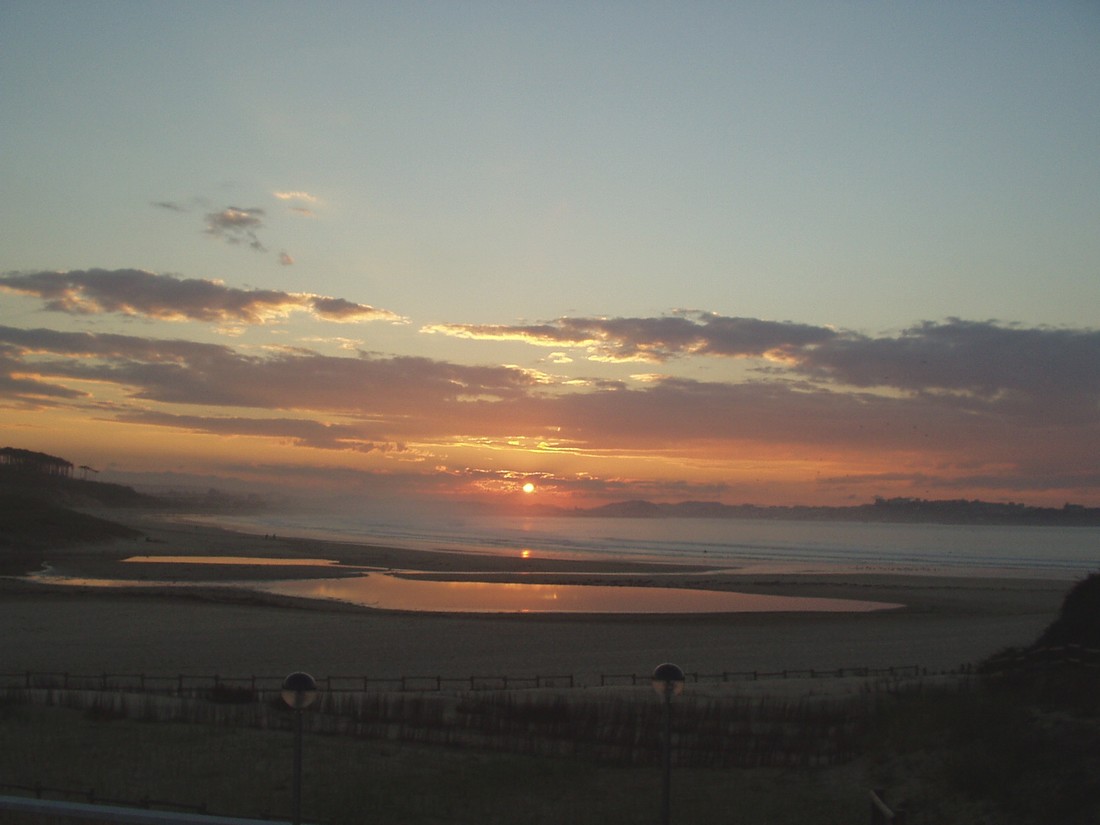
943	623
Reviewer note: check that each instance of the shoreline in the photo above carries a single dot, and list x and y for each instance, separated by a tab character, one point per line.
946	621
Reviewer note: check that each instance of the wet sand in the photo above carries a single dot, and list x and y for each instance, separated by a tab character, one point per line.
945	622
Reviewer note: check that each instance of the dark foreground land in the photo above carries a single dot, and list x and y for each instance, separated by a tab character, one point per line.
949	746
947	753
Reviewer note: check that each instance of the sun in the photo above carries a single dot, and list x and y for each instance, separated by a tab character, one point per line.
528	488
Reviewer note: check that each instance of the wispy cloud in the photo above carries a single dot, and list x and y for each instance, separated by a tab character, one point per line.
243	225
164	297
302	432
297	196
171	206
301	203
235	225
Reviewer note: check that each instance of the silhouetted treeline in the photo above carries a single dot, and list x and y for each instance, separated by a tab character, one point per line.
883	510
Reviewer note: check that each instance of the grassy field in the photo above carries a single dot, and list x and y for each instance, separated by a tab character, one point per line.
949	756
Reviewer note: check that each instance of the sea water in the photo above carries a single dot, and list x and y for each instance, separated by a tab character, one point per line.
748	545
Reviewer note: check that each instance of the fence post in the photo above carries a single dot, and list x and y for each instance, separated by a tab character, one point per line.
881	813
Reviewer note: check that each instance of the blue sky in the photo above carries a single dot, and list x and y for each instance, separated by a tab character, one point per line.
471	170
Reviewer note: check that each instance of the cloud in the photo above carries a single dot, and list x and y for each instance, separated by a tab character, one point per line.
187	372
297	199
1058	369
238	225
235	225
653	339
984	360
164	297
302	432
297	196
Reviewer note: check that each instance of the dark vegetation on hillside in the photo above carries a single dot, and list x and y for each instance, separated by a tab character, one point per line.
1061	669
1025	741
1078	623
39	497
28	521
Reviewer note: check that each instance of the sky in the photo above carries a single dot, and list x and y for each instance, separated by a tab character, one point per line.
769	253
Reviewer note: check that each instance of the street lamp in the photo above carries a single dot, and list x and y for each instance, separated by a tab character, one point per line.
299	691
668	681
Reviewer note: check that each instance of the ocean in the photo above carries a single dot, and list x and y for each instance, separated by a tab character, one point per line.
749	545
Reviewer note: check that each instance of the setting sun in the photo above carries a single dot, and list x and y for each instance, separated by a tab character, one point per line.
528	487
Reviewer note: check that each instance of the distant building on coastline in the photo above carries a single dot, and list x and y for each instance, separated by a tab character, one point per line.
28	461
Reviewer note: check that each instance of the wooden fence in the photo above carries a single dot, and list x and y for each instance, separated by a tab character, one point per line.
621	727
1043	658
194	685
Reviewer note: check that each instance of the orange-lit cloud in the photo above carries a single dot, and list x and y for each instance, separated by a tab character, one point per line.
164	297
652	339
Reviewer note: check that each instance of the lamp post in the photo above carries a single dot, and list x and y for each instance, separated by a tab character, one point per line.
299	691
668	681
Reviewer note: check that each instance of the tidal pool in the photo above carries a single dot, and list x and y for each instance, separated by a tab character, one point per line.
386	591
248	561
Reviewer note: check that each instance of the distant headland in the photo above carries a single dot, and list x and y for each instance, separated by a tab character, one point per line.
881	510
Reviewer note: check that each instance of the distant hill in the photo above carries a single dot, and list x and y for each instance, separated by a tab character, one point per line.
881	510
